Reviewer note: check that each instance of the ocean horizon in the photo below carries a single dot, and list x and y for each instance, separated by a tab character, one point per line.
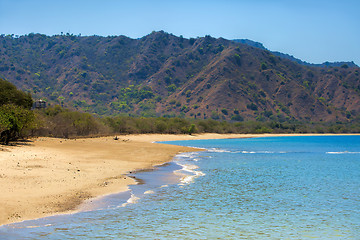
297	187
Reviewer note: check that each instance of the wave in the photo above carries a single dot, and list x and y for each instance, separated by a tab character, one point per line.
345	152
188	173
246	152
149	192
131	200
218	150
186	155
38	226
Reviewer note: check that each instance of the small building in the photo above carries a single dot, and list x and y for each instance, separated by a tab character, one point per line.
38	104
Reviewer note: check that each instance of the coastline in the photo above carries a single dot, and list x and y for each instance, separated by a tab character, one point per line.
49	176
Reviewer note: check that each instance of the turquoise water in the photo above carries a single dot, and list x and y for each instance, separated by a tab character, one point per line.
258	188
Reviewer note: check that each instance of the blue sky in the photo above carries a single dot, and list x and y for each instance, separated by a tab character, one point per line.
312	30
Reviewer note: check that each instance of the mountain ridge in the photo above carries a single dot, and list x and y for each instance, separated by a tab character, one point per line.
294	59
162	74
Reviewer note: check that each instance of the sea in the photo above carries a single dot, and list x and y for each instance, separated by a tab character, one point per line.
296	187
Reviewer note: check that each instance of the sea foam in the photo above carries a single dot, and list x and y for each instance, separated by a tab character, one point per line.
188	173
345	152
218	150
131	200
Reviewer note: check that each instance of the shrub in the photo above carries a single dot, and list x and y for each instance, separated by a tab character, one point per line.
171	88
252	106
224	111
237	59
263	66
237	117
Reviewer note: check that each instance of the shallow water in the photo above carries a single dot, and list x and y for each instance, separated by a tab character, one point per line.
259	188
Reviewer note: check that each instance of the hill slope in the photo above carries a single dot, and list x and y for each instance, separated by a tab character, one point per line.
292	58
161	74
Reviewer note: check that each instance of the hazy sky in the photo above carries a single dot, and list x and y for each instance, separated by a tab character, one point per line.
312	30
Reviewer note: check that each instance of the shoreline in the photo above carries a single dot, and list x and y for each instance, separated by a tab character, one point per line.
49	176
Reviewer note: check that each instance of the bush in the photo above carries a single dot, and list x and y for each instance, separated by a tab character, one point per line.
252	106
171	88
237	59
59	122
224	111
237	117
263	66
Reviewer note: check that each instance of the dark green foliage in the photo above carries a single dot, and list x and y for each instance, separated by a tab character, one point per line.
15	117
171	88
10	95
184	109
272	59
224	111
263	66
135	94
192	129
252	106
267	114
237	117
14	122
215	115
237	59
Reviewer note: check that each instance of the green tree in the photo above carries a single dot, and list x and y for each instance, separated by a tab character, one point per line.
15	114
14	122
10	95
192	129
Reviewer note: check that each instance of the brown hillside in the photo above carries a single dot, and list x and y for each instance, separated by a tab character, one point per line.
161	74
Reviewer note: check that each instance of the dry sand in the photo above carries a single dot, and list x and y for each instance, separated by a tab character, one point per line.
48	176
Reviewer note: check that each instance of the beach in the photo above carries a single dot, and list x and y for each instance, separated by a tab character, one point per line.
49	176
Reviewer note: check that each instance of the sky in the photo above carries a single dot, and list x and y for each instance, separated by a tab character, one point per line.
311	30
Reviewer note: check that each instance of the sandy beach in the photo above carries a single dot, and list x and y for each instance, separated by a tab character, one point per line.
48	176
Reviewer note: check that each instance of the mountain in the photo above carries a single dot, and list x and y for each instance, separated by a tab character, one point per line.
162	74
251	43
292	58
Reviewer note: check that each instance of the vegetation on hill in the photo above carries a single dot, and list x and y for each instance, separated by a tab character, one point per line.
17	120
162	78
161	74
292	58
